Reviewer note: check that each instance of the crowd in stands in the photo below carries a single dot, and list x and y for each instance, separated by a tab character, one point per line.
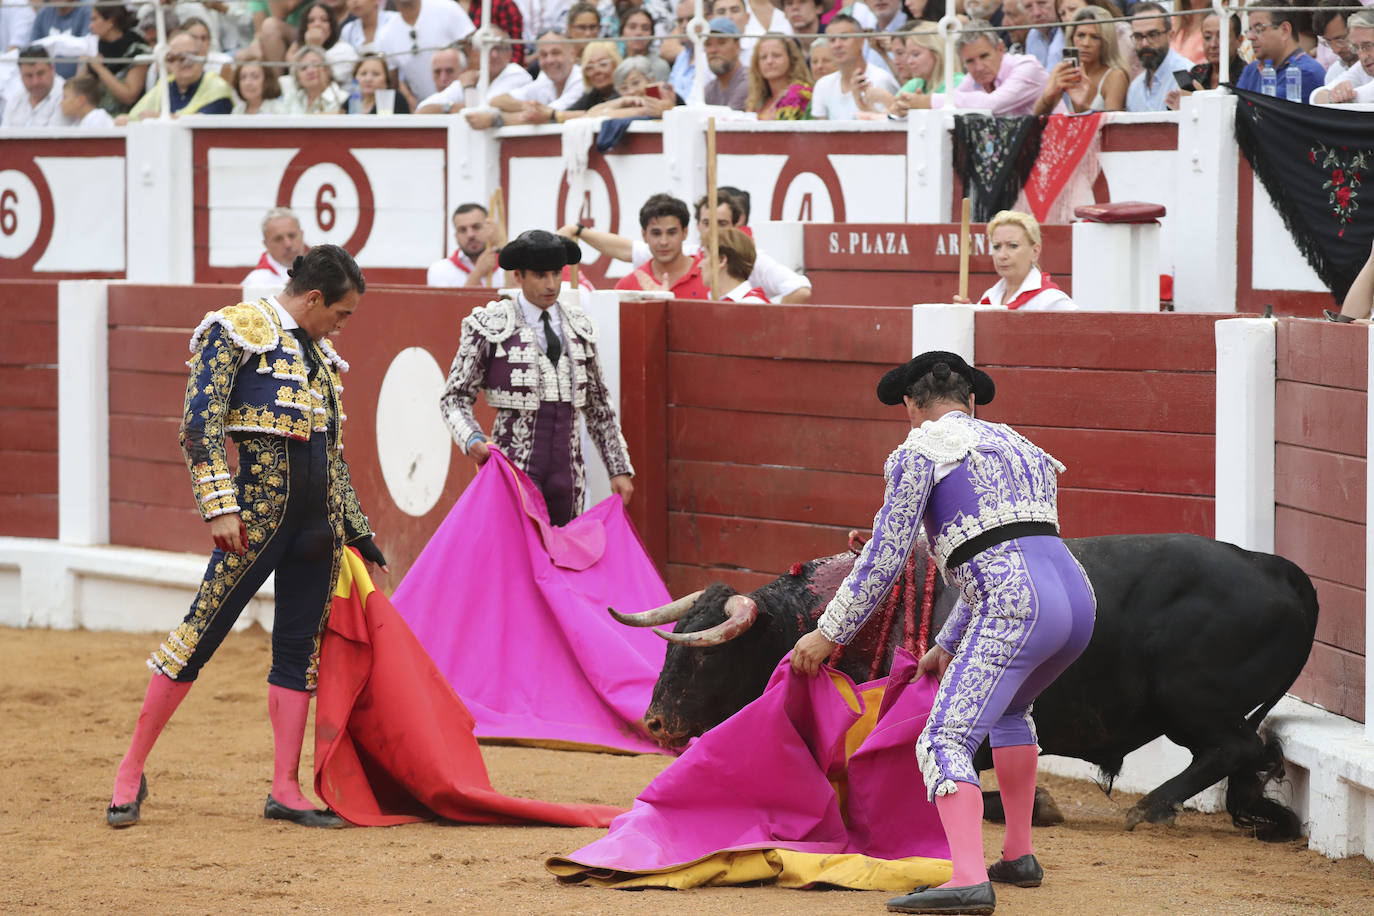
791	59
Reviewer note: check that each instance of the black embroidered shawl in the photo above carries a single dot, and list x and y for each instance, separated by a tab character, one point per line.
994	157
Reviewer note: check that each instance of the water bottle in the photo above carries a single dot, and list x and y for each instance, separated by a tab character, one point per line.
1268	81
1292	83
355	95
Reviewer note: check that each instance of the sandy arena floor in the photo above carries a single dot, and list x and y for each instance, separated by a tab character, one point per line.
69	699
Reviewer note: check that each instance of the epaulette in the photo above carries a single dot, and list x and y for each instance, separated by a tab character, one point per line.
947	439
246	324
579	322
495	322
332	355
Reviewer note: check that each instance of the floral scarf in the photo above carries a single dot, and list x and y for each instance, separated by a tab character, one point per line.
994	156
793	105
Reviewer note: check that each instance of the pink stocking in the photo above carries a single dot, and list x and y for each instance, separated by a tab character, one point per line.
1015	767
162	699
961	813
288	710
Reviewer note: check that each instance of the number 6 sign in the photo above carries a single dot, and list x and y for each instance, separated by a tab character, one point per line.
21	214
332	197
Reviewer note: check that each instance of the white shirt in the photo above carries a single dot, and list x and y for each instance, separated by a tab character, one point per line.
440	23
503	83
753	28
543	90
96	119
263	278
391	37
533	318
1356	76
770	274
1049	300
47	113
341	59
829	102
16	25
444	273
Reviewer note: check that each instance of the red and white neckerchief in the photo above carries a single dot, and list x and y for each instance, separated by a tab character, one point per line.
265	263
459	264
1026	295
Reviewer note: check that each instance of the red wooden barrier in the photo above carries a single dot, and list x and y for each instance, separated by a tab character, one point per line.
28	409
1319	470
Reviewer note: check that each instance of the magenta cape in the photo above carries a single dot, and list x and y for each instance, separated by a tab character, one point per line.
793	770
513	612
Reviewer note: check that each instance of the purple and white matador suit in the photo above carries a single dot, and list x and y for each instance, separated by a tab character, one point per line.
987	497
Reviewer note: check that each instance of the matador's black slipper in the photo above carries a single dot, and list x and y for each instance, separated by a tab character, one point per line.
976	899
305	817
127	815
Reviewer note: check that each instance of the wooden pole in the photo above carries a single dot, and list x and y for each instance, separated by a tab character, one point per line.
712	233
496	229
963	252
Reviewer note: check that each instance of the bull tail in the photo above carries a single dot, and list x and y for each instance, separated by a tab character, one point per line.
1306	595
1250	809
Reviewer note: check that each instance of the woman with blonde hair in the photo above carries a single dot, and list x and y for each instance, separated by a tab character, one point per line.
1014	238
779	81
599	62
315	92
1098	80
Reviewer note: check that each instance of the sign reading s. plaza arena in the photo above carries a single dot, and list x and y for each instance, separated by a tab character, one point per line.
889	241
875	242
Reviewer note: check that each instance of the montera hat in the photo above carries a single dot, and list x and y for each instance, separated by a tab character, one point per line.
898	382
538	249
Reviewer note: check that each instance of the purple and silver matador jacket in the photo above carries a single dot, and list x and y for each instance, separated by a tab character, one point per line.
961	477
499	356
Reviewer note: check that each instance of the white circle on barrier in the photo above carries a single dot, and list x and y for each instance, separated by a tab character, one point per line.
413	443
21	213
326	200
808	200
592	202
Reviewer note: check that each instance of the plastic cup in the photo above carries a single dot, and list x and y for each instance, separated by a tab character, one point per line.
386	101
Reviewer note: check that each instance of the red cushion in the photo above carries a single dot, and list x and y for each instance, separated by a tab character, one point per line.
1120	211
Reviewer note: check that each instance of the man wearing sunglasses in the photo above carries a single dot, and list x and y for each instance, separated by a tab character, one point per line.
1274	36
1151	31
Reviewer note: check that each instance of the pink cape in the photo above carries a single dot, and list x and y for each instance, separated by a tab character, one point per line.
513	612
774	775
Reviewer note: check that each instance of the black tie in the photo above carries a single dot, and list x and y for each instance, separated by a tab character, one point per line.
307	351
551	345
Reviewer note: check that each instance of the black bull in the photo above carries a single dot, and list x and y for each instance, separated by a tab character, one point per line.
1195	640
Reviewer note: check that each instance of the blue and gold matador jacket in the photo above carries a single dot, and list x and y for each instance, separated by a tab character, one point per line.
249	377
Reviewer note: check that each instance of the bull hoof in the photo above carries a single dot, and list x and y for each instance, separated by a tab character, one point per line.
1154	814
1046	813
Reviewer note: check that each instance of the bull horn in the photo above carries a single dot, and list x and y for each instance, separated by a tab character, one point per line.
740	614
669	613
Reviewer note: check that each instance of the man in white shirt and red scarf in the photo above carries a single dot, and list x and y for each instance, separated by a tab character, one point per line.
284	241
535	357
473	263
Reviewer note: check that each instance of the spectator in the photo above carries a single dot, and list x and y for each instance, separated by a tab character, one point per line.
147	23
632	78
599	62
1207	75
1274	36
473	263
373	75
16	25
80	103
1334	31
888	15
373	29
315	92
445	66
637	34
278	29
1098	81
779	81
190	90
765	17
925	10
737	11
822	58
257	88
728	279
205	48
428	24
283	242
730	82
995	80
506	16
584	22
558	86
320	27
779	283
613	13
1016	31
1044	42
75	18
506	76
804	16
1151	32
1358	82
848	91
680	50
663	221
40	102
1187	39
1015	242
117	44
999	14
926	63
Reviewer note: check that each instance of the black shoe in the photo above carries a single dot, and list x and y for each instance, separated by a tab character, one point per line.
127	815
1023	872
305	817
975	898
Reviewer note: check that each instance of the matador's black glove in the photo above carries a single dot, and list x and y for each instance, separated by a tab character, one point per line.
370	552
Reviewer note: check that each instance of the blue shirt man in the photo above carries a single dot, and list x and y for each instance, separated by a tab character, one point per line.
1312	75
1274	37
74	19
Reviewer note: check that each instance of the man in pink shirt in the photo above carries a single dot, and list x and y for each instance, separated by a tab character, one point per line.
1006	84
